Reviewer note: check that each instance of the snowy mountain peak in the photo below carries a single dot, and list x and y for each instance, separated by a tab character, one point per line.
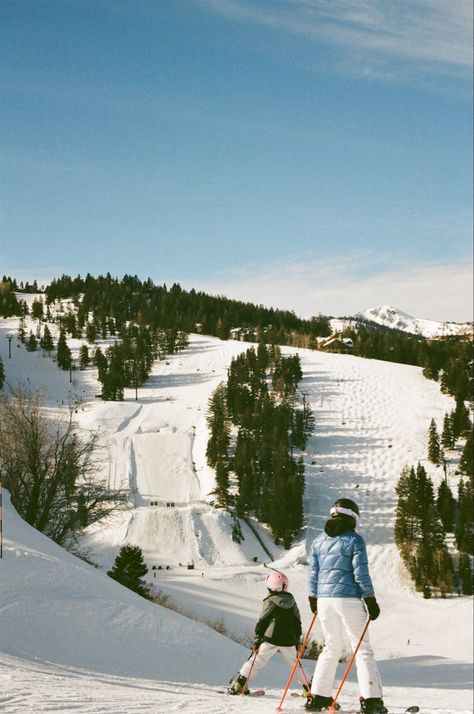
389	316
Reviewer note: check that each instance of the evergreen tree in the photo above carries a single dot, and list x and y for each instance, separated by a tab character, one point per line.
113	381
46	341
100	361
466	460
419	533
91	332
130	568
37	309
446	506
63	353
447	436
461	422
9	304
464	524
407	528
444	576
22	330
434	449
2	374
31	343
246	469
219	427
83	357
465	574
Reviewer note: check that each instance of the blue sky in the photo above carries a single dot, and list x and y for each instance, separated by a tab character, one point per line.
308	154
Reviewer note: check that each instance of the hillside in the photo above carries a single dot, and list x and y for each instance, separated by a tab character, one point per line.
396	319
372	418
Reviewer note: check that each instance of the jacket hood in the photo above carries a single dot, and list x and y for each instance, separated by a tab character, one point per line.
338	525
284	600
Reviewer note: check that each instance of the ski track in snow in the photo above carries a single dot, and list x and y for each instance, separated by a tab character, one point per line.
42	687
372	418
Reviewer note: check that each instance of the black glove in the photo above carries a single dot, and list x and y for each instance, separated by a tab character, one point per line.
372	607
256	644
313	603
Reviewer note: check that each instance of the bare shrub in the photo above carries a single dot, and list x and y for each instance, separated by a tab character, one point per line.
49	471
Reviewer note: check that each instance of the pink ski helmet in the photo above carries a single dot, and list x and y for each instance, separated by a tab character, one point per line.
277	582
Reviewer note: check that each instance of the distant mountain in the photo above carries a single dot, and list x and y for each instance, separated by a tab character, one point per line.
387	316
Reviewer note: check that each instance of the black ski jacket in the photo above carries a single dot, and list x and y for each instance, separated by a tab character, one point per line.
279	621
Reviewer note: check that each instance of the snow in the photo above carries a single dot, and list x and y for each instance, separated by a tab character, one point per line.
393	317
73	639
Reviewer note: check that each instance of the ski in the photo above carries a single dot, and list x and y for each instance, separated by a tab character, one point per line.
410	710
253	693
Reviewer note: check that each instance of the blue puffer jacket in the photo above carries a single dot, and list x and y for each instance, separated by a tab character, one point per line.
339	566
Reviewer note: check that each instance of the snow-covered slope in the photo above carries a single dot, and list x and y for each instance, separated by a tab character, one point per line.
399	320
56	608
73	639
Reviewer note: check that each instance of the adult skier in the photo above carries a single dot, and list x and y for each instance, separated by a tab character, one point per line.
278	630
339	585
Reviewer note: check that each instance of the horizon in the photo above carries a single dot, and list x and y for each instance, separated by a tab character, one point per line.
311	156
42	287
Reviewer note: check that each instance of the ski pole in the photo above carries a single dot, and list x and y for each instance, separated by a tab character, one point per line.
251	667
300	654
304	676
332	708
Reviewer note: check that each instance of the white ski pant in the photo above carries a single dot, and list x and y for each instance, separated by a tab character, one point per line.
336	615
264	655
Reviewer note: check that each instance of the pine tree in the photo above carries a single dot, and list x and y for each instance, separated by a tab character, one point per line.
100	361
465	574
83	357
446	505
466	465
46	341
37	309
113	381
245	468
444	571
461	422
447	436
91	332
63	353
31	343
407	527
22	330
218	421
129	569
434	449
419	533
464	525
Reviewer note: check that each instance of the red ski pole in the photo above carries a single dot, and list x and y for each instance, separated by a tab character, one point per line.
300	654
332	708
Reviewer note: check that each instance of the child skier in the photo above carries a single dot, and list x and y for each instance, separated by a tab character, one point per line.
278	630
339	583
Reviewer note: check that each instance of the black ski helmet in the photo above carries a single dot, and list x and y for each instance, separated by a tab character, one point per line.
346	507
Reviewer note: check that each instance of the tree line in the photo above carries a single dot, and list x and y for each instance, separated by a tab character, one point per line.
104	304
422	523
127	362
456	424
129	298
257	428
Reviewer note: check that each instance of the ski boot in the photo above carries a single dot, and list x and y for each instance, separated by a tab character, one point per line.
374	705
316	703
239	686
